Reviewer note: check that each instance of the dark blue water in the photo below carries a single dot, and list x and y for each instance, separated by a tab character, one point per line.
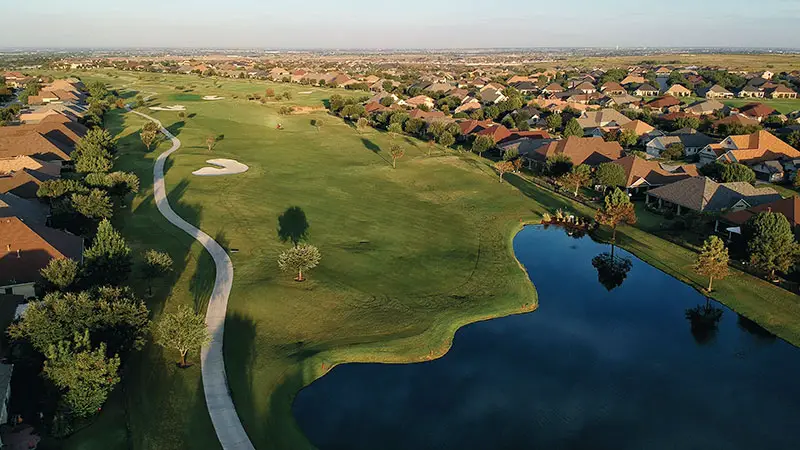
590	369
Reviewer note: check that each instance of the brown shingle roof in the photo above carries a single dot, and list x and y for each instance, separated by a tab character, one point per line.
25	249
591	151
639	171
703	194
789	207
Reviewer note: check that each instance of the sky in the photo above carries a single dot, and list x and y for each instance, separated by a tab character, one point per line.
373	24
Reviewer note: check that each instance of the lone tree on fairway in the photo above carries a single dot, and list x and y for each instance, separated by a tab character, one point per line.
482	144
573	128
503	167
712	262
211	142
617	209
156	264
149	134
770	242
299	258
183	330
86	375
293	225
396	152
61	273
578	176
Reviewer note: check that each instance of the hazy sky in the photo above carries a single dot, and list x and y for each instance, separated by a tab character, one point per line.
401	23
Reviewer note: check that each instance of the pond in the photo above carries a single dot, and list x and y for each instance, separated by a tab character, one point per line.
618	356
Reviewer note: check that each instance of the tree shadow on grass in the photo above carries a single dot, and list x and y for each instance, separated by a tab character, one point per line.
550	201
202	283
293	225
374	148
176	127
240	359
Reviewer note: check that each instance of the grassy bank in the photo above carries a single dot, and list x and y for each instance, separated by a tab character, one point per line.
408	255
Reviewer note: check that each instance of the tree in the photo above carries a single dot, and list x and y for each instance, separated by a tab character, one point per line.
93	152
558	165
554	121
414	127
108	260
353	112
573	128
510	154
627	138
793	139
578	176
112	315
687	122
31	88
182	330
617	209
503	167
149	134
770	242
362	123
736	172
446	139
395	152
156	264
712	262
211	142
609	174
481	144
298	259
395	129
86	375
61	273
94	205
674	151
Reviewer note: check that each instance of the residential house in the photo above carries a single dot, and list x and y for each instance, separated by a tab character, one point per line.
781	91
693	142
750	91
704	108
439	87
491	96
638	127
757	111
416	102
642	174
23	183
645	90
586	88
677	90
701	194
633	80
26	248
717	91
468	104
28	210
665	104
474	126
526	87
735	119
496	132
754	150
663	71
789	207
610	118
613	88
591	151
553	88
625	100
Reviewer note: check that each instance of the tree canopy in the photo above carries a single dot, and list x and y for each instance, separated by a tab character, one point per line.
617	209
108	260
182	330
299	258
712	261
770	242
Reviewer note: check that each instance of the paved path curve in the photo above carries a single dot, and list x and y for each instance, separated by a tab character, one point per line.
230	431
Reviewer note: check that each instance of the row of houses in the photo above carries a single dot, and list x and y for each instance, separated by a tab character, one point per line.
35	149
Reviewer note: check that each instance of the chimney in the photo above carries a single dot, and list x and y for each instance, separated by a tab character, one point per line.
8	247
18	254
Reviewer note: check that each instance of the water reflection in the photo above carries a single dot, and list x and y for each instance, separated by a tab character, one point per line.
704	320
611	270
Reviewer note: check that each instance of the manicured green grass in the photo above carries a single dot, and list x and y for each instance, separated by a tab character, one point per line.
783	106
409	255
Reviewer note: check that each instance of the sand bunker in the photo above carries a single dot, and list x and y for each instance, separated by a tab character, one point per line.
212	97
226	167
306	92
168	108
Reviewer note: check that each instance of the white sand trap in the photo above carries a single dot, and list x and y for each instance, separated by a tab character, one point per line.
212	97
168	108
306	92
226	167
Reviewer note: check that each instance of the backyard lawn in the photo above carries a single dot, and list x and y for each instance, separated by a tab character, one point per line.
408	255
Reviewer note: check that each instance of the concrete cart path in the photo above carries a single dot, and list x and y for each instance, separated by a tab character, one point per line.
230	431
